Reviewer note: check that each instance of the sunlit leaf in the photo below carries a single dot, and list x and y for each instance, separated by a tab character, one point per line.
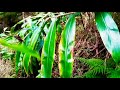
20	47
66	48
33	41
109	33
48	50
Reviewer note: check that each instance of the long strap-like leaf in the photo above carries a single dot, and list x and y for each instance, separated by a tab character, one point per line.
48	51
65	48
109	33
21	48
17	61
33	41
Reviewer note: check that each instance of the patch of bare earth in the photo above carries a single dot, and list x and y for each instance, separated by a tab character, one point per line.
6	69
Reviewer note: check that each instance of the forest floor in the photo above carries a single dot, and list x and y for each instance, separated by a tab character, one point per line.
6	69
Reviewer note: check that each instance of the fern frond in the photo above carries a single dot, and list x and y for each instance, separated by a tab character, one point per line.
92	62
110	63
114	74
99	69
89	74
96	67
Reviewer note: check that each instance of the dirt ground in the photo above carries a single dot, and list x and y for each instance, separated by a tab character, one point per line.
6	69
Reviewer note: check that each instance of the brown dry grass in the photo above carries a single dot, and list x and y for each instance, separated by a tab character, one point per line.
6	69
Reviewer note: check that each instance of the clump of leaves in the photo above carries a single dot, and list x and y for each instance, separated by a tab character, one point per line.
36	44
99	68
96	67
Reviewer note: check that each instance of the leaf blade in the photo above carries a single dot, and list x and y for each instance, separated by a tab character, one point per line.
20	47
109	33
48	51
17	61
33	41
65	49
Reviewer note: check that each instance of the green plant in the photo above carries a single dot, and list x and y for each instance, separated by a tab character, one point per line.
36	38
66	49
6	54
48	51
98	68
109	33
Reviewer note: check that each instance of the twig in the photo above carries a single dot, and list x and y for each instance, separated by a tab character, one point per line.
96	44
60	15
99	52
53	17
23	15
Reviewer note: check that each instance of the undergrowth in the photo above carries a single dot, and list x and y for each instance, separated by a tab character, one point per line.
98	68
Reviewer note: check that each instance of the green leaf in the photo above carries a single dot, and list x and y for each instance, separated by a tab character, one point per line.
26	61
33	41
17	61
48	51
39	44
65	48
109	33
21	48
92	62
115	73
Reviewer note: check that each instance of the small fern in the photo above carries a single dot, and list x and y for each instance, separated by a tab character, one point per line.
99	68
96	67
114	73
92	62
110	63
89	74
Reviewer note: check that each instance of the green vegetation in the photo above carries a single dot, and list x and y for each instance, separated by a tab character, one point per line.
45	44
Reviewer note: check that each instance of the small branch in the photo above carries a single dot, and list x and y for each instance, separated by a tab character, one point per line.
99	52
59	16
23	16
64	14
47	19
